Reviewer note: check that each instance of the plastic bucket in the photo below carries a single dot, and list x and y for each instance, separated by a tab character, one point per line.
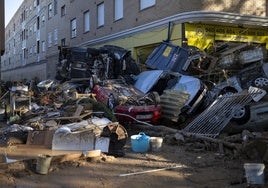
254	173
43	164
140	143
156	143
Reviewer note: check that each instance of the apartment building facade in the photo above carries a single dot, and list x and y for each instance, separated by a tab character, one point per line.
2	28
40	26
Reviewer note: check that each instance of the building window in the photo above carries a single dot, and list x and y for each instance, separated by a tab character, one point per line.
38	23
43	46
38	46
86	21
118	9
62	42
23	34
35	27
55	7
26	13
24	54
63	10
55	36
73	28
35	3
43	20
27	33
35	49
146	3
30	31
101	14
49	39
49	10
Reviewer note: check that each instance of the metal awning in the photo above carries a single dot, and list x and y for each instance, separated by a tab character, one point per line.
212	17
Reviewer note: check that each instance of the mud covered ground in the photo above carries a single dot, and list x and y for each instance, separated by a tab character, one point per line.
173	166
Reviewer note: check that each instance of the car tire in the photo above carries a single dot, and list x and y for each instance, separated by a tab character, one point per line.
260	82
155	97
240	115
228	91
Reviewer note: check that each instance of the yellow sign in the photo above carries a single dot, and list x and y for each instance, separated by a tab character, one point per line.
167	51
203	35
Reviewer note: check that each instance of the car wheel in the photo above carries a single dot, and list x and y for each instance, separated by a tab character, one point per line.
111	102
240	114
261	82
228	91
155	97
182	117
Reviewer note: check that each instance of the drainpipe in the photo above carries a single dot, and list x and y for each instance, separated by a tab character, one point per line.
184	42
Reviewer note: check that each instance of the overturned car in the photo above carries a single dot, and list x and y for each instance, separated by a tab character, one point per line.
89	65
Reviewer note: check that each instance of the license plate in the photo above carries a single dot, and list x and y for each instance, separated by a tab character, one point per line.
146	116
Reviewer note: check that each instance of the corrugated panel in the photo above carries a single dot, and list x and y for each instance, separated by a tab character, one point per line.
171	102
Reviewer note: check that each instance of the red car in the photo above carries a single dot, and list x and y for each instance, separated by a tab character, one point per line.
127	102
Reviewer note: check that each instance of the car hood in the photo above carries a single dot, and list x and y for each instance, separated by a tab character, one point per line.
147	79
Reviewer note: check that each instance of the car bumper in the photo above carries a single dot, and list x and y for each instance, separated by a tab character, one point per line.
148	113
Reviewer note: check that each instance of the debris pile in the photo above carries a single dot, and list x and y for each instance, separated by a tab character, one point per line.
59	118
96	91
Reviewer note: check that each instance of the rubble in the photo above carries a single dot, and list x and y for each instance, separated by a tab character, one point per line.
58	116
249	146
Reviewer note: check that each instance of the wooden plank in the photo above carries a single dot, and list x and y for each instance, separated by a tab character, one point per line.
78	110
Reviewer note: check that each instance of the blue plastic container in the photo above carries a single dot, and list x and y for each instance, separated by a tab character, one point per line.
140	143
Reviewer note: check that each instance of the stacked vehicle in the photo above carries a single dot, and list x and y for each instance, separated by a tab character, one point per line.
179	83
226	69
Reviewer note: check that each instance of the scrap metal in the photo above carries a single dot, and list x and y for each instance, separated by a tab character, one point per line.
214	119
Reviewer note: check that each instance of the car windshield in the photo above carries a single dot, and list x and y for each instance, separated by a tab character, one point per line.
189	85
147	79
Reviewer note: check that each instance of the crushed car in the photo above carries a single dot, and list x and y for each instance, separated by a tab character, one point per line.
128	102
124	98
89	65
225	68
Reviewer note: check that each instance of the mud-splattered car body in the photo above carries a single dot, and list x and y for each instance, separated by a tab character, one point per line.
139	100
127	102
226	68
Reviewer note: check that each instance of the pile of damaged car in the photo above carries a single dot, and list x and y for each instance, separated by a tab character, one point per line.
200	92
235	76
